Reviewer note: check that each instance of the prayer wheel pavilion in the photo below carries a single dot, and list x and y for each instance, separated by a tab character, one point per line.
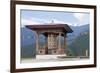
52	33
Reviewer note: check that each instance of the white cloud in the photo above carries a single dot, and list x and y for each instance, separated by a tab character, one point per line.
79	16
82	19
30	21
36	21
62	22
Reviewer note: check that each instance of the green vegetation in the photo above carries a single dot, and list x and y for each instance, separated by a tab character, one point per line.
80	45
28	51
69	52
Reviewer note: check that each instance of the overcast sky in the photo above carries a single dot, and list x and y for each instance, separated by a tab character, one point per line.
31	17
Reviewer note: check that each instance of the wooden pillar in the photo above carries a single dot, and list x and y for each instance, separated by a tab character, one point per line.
55	39
64	41
46	44
48	41
59	41
37	42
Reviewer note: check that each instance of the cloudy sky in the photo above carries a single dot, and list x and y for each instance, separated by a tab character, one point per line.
31	17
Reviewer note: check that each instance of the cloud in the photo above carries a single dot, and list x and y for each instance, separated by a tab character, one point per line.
62	22
79	16
29	21
36	21
82	18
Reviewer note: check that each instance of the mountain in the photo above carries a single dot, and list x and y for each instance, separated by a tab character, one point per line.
28	37
28	43
28	51
76	32
78	41
80	44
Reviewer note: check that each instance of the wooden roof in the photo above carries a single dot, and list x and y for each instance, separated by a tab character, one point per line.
64	27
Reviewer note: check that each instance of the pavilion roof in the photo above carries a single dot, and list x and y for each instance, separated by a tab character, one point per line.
53	26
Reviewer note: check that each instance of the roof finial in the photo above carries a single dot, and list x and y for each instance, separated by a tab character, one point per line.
52	21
